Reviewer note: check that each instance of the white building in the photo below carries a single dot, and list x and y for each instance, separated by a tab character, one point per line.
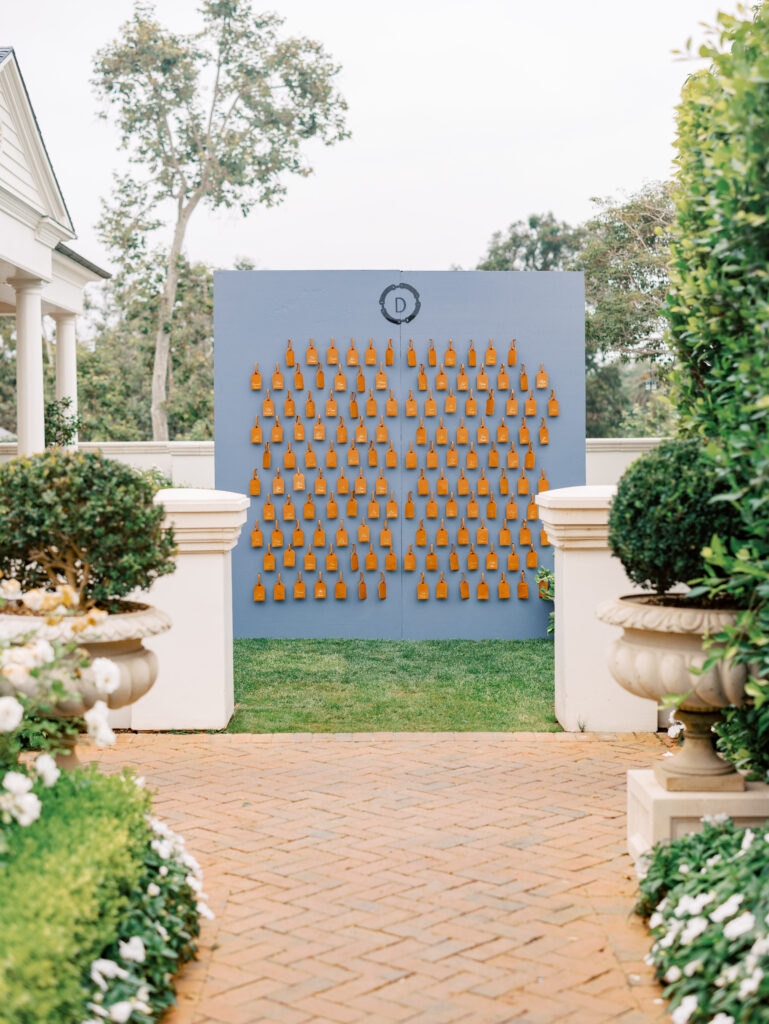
39	274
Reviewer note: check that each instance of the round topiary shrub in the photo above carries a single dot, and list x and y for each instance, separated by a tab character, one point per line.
663	515
81	519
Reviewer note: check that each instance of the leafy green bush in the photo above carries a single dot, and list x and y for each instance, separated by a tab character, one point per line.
84	520
66	882
718	310
707	899
663	515
61	425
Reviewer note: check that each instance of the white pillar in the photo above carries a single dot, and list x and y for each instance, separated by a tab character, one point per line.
66	361
586	696
194	689
30	401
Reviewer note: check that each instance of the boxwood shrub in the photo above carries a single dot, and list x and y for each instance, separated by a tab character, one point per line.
84	520
665	512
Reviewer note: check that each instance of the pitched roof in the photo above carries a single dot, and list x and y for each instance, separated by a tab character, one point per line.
77	258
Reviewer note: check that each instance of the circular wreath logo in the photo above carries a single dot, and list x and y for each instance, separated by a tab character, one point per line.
399	303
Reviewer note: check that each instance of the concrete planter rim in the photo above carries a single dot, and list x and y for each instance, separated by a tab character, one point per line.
143	621
632	611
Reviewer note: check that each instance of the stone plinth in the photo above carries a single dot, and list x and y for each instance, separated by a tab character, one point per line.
194	689
586	696
654	813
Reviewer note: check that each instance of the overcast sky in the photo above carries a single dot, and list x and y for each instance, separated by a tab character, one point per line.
465	114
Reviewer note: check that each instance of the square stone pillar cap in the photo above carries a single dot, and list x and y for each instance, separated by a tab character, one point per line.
577	517
204	520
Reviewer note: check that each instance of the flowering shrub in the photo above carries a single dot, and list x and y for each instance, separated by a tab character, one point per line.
706	896
117	893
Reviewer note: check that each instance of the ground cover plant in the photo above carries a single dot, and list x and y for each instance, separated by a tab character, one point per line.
706	897
393	685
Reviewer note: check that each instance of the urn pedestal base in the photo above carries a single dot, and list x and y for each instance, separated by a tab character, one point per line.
655	813
696	767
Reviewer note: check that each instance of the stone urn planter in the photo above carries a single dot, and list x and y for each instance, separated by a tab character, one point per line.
119	637
653	658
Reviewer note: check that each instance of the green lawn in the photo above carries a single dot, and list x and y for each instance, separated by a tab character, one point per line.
391	685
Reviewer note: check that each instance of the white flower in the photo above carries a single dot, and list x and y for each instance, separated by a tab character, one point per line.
761	946
696	926
749	986
42	652
162	847
10	590
98	728
11	714
675	727
153	890
162	870
642	868
17	783
162	932
684	1010
106	675
692	967
121	1012
133	949
693	905
673	973
667	941
728	908
45	767
747	840
26	808
33	599
712	861
194	883
684	869
715	819
205	911
656	919
101	969
740	925
18	676
139	781
722	1018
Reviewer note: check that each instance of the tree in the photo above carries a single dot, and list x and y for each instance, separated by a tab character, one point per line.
539	243
115	365
217	119
623	251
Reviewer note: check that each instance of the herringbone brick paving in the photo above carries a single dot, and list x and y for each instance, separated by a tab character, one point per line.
420	878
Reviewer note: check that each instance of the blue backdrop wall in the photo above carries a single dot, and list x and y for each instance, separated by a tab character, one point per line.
255	315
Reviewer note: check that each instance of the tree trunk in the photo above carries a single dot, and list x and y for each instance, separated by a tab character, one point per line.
163	330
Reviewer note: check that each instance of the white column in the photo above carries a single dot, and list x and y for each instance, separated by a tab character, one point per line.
66	361
586	697
194	689
30	401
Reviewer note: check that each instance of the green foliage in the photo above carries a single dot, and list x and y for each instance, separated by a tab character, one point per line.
664	514
719	323
84	520
217	118
720	966
115	366
623	251
546	592
61	426
66	882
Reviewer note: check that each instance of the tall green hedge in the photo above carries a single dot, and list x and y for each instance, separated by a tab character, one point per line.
719	316
65	882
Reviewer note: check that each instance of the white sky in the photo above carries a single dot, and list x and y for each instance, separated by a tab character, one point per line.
466	115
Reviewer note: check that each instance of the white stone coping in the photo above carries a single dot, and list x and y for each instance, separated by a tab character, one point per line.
200	499
621	444
591	496
577	517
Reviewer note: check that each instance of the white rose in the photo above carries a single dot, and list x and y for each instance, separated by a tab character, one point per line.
26	808
749	986
106	675
722	1018
34	600
673	974
46	768
18	676
11	714
696	926
133	949
10	590
98	728
728	908
42	652
153	890
205	911
16	783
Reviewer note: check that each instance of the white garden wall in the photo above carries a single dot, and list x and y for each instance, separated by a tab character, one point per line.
191	463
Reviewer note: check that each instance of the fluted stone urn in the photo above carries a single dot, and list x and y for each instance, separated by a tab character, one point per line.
654	657
119	637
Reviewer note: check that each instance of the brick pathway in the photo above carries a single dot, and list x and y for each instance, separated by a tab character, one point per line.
423	878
